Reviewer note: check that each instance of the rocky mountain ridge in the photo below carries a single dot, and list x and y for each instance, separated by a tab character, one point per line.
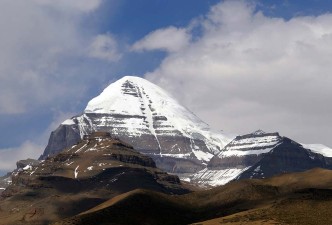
80	177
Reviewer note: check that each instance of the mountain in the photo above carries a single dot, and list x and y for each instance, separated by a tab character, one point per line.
261	155
5	181
81	177
297	198
142	114
289	156
102	180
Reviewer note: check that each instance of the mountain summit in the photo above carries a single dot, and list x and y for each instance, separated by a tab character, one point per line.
148	118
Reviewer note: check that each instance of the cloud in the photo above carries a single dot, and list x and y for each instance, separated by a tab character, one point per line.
70	5
46	65
170	39
9	156
45	55
104	47
246	71
32	148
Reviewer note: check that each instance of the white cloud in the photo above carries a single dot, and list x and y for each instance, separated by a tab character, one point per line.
45	63
248	71
9	157
44	55
31	148
104	47
169	39
71	5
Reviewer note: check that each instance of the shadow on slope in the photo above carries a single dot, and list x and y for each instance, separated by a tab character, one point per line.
284	199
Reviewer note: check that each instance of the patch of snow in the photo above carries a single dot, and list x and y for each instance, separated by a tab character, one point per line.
187	179
254	142
179	156
242	153
8	180
216	177
204	156
27	167
244	145
76	172
90	168
311	157
80	149
68	164
33	172
257	169
319	148
68	122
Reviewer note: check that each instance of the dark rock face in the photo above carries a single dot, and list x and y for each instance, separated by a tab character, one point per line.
148	162
26	162
233	161
63	137
179	165
287	157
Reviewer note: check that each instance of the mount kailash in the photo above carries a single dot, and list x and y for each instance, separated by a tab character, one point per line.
143	115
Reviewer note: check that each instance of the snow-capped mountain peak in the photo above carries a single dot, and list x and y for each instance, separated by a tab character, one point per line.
137	97
147	117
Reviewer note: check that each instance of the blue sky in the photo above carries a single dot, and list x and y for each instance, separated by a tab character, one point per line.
57	56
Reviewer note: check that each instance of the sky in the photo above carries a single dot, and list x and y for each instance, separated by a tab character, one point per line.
240	65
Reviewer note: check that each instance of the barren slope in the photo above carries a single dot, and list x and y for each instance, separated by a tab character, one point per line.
286	199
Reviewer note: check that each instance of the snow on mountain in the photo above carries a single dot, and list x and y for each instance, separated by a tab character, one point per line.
210	177
147	103
255	143
236	157
260	155
287	157
320	149
148	118
5	181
